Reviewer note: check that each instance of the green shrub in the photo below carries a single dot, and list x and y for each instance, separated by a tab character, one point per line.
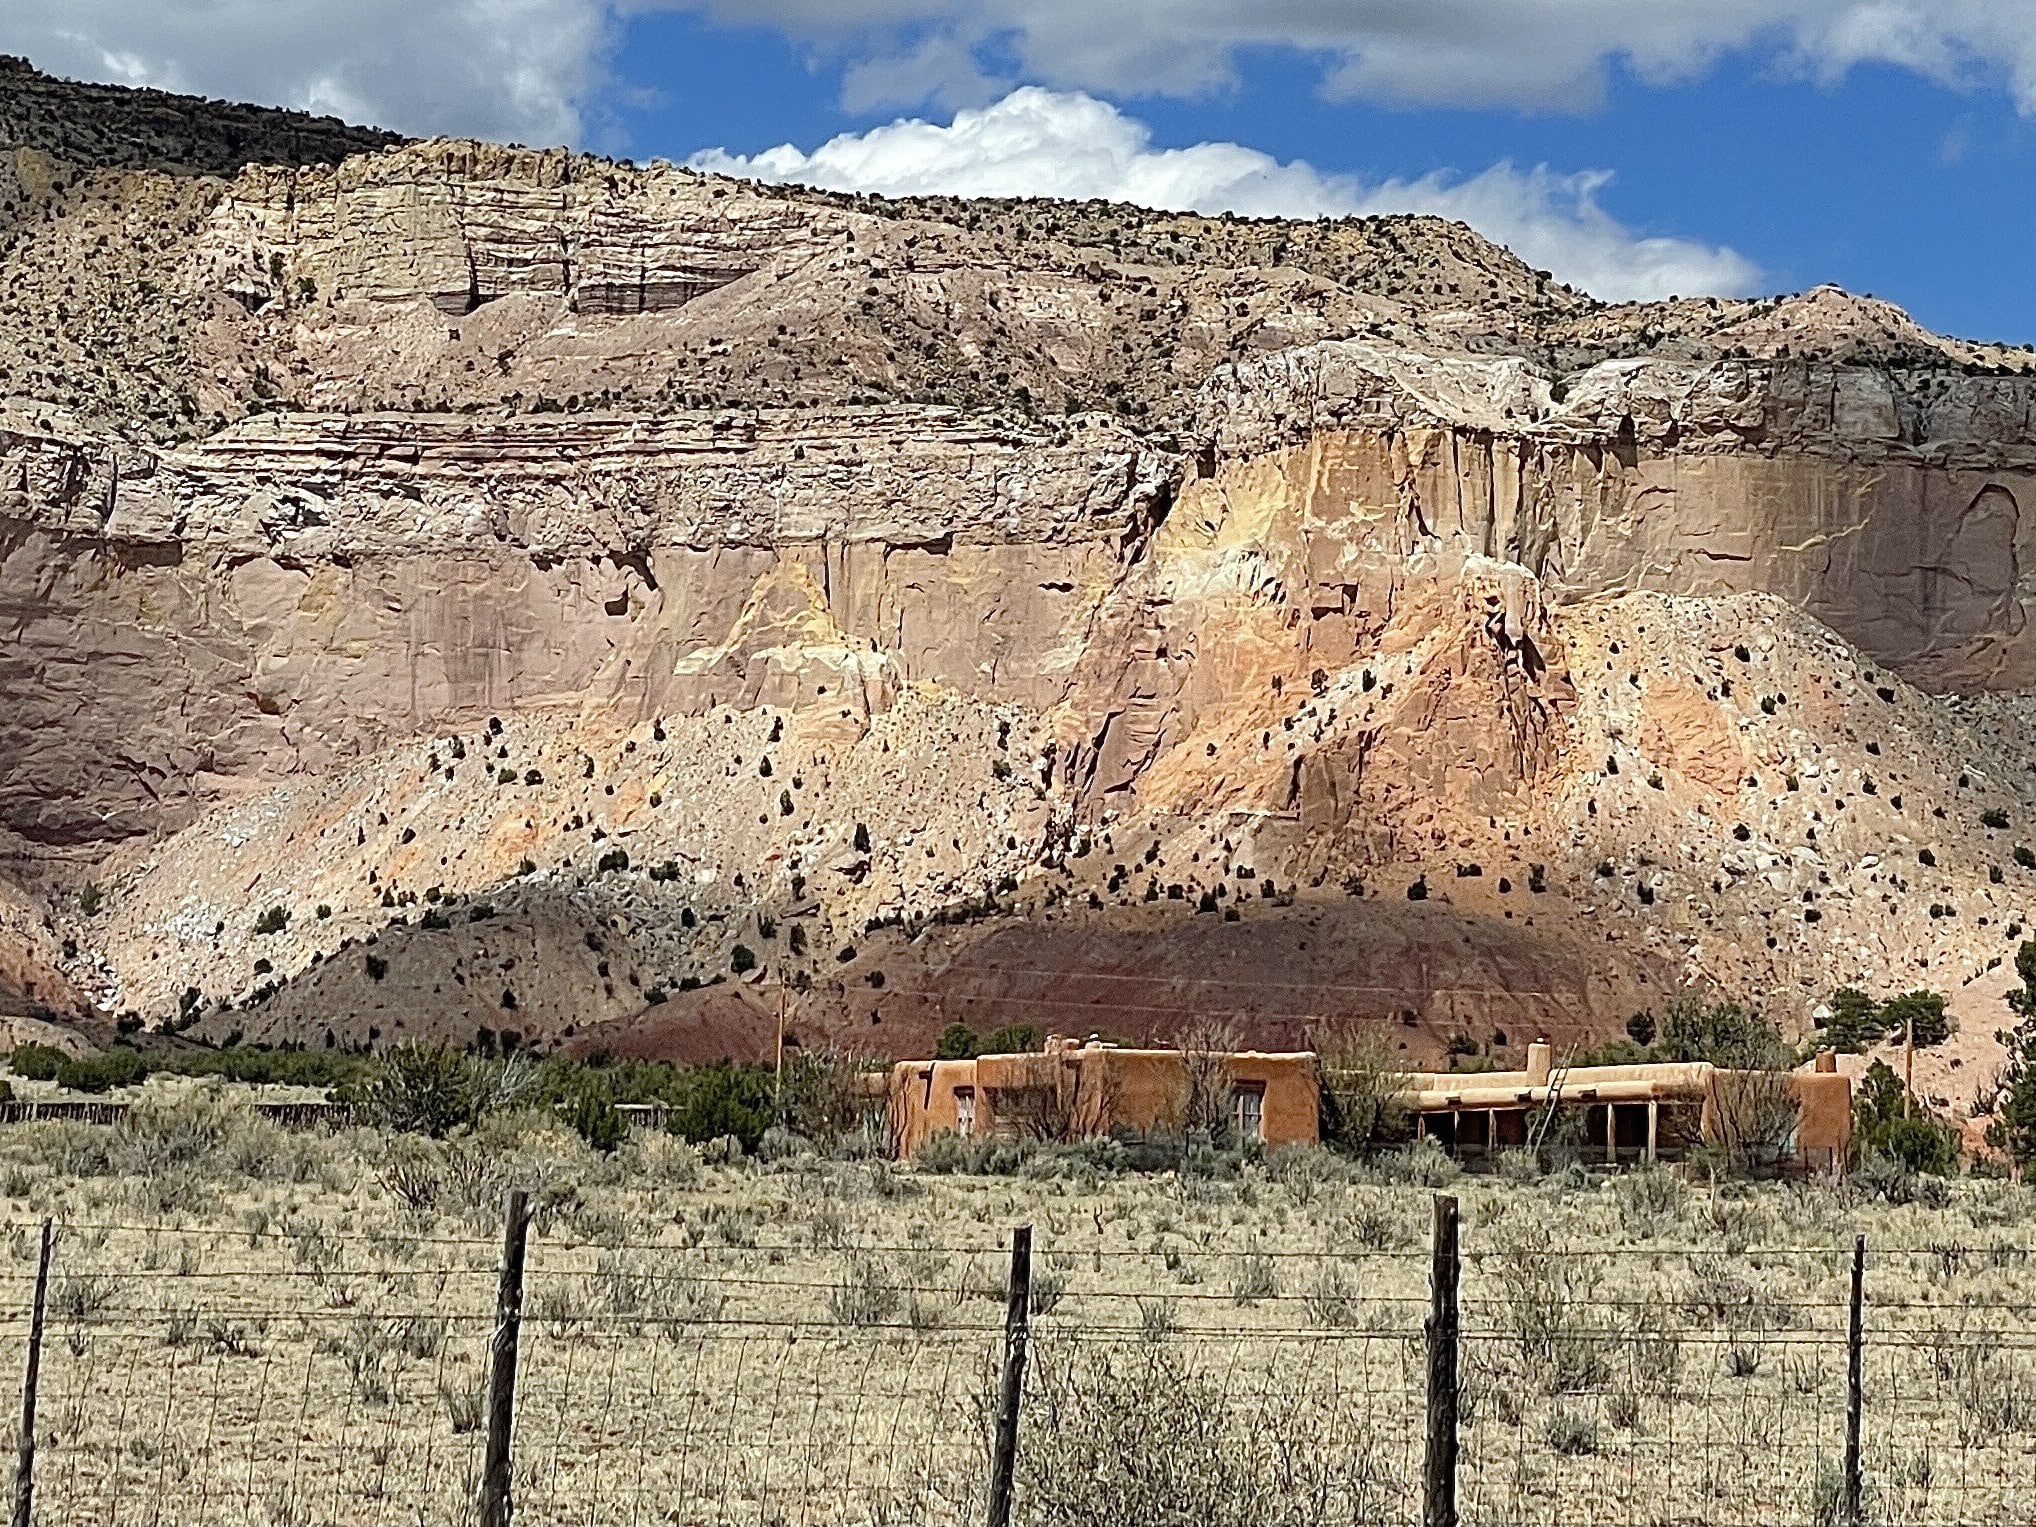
725	1099
742	959
1854	1022
37	1063
430	1089
1013	1039
1912	1135
260	1066
1613	1052
1874	1176
1570	1431
2015	1130
864	1294
827	1101
1858	1023
957	1042
1651	1202
1364	1093
275	920
949	1153
1144	1434
161	1133
1925	1009
118	1067
1723	1033
597	1120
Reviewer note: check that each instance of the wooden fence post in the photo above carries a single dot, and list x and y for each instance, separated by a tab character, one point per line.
1438	1478
496	1505
24	1470
1010	1394
1855	1385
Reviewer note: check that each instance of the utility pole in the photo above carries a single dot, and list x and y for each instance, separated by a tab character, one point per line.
780	1105
1908	1062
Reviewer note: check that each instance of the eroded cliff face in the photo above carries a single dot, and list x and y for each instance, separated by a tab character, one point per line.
1887	503
964	605
302	590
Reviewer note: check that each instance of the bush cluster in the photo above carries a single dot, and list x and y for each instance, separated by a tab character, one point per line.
1857	1022
960	1042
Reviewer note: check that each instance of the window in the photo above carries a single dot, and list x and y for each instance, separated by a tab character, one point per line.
1248	1105
965	1110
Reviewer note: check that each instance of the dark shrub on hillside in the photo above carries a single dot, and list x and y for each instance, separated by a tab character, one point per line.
1013	1039
1724	1034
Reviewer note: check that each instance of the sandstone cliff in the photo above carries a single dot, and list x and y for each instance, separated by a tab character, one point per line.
533	578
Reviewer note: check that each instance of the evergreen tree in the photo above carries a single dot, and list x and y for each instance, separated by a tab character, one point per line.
1888	1123
1854	1024
2014	1131
957	1042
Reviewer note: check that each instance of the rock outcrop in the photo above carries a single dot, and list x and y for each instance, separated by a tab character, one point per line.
548	594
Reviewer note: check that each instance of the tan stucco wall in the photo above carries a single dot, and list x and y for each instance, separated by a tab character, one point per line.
1103	1089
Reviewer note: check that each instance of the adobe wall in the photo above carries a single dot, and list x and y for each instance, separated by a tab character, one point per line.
1824	1118
1104	1089
922	1101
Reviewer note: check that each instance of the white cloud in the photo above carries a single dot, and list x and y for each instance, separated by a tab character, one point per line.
515	69
1542	54
1038	142
528	69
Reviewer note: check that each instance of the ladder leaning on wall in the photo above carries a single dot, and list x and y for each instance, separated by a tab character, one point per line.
1555	1081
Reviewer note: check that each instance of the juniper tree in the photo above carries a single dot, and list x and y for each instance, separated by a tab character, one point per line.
2014	1131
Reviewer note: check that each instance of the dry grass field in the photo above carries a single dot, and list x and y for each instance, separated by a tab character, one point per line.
248	1325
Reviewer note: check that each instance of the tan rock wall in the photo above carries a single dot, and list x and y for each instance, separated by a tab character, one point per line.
302	590
463	223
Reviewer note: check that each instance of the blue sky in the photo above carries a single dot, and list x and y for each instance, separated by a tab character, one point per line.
1635	146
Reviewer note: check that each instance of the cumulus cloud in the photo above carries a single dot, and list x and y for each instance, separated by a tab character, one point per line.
514	69
1037	142
529	69
1542	54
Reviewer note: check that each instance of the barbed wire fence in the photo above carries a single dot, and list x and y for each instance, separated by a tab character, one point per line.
181	1374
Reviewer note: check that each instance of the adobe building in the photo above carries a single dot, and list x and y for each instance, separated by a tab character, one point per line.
1619	1115
1626	1115
1072	1090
